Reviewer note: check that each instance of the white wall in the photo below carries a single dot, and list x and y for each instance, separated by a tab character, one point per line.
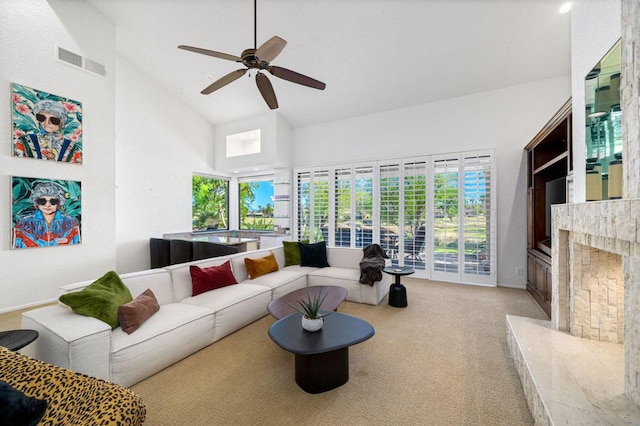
595	28
274	144
29	33
160	144
505	120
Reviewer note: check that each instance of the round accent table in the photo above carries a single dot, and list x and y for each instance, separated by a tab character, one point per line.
321	357
17	339
397	291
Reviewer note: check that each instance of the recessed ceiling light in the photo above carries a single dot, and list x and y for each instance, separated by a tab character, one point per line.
236	171
566	7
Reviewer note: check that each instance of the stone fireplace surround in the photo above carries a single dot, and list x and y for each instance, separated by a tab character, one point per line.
603	305
583	366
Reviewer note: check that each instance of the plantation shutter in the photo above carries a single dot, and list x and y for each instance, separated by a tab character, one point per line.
363	199
389	206
478	218
343	211
445	253
414	224
303	205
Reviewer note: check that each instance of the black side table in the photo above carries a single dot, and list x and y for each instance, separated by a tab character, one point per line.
397	291
17	339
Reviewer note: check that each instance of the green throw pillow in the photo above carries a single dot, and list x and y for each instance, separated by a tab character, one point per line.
292	252
100	299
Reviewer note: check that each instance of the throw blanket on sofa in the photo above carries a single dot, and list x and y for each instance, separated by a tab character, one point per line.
372	264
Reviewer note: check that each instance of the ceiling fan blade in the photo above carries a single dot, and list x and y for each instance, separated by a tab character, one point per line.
266	90
232	76
270	49
295	77
211	53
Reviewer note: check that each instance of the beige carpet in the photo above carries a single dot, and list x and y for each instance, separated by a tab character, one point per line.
442	360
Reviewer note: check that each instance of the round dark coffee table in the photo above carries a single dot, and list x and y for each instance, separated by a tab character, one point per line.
17	339
321	357
397	291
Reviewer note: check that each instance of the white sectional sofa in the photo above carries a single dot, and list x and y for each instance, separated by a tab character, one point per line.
184	324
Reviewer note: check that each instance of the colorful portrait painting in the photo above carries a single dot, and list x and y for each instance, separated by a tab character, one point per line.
45	212
45	126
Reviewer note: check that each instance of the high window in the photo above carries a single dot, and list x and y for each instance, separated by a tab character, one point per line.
432	213
210	203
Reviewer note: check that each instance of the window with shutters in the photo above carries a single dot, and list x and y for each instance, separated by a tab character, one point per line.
312	205
389	206
414	213
477	217
433	213
363	202
446	225
343	207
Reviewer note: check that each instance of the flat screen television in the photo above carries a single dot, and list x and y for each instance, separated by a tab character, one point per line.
555	193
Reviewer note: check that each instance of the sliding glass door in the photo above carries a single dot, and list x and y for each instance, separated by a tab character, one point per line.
435	213
462	218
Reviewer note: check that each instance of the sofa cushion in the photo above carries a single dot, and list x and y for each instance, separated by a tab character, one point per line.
208	279
101	299
292	252
235	306
174	332
260	266
283	281
18	408
313	254
133	314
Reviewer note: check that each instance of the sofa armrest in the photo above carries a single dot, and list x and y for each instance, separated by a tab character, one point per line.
69	340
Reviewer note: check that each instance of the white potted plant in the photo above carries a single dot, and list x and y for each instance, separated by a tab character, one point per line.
312	319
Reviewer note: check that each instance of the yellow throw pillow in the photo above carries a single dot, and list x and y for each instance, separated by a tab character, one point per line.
261	266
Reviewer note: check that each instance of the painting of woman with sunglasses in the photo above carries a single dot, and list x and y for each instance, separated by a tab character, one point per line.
48	224
46	126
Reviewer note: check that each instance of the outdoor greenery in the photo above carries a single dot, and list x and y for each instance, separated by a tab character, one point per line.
262	217
210	206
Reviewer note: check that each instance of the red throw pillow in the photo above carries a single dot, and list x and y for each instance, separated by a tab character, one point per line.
203	280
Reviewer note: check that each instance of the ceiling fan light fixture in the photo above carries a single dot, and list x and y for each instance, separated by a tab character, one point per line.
258	58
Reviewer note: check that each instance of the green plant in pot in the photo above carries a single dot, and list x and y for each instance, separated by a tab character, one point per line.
312	319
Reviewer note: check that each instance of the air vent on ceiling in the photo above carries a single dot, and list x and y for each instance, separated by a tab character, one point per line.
76	60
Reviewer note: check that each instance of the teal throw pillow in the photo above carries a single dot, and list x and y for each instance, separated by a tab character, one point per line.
314	254
292	252
100	299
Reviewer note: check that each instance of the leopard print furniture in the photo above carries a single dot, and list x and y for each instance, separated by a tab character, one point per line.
72	398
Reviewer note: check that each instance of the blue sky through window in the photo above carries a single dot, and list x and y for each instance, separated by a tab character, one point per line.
264	194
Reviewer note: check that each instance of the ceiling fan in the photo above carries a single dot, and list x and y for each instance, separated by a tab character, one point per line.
258	59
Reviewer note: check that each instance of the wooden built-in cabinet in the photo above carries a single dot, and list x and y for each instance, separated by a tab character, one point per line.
548	165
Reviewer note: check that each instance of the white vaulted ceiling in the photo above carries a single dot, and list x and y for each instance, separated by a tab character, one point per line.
374	55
